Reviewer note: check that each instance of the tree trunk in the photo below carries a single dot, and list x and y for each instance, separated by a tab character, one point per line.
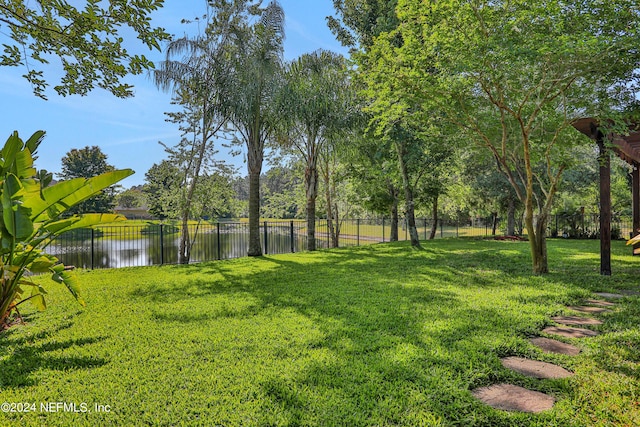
330	225
494	223
511	218
329	190
335	230
311	224
184	252
254	160
434	226
408	195
394	222
393	193
537	240
539	250
311	184
255	248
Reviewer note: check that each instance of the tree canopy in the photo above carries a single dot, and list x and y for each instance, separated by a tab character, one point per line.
88	162
512	76
87	38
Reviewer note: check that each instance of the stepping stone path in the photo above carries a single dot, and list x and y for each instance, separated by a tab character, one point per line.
569	332
513	398
574	320
534	368
630	293
599	303
609	295
588	309
549	345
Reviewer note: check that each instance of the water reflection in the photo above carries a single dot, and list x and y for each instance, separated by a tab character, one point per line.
150	249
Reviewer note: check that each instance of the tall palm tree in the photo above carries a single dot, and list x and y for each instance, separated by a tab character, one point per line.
254	69
317	102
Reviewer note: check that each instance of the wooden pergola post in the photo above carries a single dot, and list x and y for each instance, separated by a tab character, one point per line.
635	206
605	207
627	147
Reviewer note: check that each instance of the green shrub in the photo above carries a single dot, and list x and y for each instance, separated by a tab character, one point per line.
30	219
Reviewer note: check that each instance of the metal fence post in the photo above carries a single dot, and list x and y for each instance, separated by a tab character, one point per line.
266	243
441	229
161	244
358	230
92	247
457	228
292	241
218	239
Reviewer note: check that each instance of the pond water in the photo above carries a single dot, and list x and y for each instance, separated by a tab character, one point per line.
110	252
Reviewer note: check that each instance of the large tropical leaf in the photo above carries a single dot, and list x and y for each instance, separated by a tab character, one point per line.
10	149
28	204
37	299
15	216
63	195
34	141
23	165
43	264
82	221
61	275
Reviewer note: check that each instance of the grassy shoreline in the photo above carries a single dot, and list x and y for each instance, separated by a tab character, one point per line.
375	335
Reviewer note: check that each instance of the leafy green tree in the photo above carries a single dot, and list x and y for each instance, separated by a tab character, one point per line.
375	178
88	162
130	198
194	70
317	100
214	196
254	66
283	194
512	76
415	155
87	39
31	218
160	179
358	22
340	198
489	192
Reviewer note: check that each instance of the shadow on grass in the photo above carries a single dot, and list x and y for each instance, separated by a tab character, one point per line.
620	343
20	357
401	331
395	325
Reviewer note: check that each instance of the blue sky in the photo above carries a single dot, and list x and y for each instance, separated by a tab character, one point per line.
128	131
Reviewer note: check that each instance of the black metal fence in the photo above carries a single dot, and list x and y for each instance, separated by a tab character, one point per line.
126	245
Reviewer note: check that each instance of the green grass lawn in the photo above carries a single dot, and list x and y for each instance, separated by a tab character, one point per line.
380	335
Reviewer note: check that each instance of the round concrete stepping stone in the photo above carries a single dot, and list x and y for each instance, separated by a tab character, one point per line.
513	398
609	295
588	309
549	345
569	332
599	303
575	320
535	368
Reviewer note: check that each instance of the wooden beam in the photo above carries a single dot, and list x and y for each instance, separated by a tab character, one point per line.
635	205
605	207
